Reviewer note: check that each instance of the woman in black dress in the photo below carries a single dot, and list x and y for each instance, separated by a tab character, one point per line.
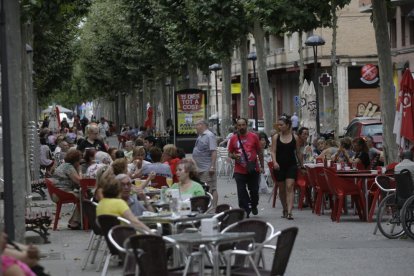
285	156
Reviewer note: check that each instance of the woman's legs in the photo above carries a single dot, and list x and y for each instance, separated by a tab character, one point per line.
282	196
290	185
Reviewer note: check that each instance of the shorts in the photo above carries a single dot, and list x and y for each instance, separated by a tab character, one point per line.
286	173
210	180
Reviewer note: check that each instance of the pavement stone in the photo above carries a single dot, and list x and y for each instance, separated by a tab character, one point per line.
322	247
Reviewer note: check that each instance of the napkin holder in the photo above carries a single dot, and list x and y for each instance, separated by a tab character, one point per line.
209	227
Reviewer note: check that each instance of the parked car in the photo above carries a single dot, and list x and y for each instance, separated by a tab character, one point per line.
366	126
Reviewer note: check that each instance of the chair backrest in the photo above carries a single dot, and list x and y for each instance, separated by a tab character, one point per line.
272	171
222	207
119	234
229	217
321	180
337	184
86	183
259	227
57	194
106	222
404	186
311	176
284	246
89	210
147	249
200	203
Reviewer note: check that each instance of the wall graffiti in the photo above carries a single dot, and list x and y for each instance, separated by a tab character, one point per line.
368	110
309	105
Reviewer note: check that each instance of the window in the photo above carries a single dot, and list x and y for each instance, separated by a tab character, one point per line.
289	42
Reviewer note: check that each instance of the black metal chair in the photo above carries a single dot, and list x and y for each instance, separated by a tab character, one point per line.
106	222
229	217
264	233
89	211
150	253
200	203
284	246
117	236
222	207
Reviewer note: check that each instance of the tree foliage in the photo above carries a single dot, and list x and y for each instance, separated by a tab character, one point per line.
55	25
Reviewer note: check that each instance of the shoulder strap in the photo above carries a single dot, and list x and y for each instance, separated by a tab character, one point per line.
241	145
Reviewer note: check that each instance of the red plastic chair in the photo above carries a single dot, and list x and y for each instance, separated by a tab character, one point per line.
159	181
84	185
322	188
275	186
61	198
342	189
301	184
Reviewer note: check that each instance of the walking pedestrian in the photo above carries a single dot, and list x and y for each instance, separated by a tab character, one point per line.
295	122
286	155
244	147
205	156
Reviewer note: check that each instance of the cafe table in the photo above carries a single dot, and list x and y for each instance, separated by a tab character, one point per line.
360	174
173	221
211	241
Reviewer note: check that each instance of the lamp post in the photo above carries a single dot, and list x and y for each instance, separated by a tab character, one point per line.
315	41
252	56
216	67
168	84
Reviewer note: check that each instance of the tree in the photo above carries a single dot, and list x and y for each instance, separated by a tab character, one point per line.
379	12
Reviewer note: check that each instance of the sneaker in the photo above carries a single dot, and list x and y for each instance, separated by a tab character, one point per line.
254	211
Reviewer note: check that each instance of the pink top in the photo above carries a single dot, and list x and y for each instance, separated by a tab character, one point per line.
7	262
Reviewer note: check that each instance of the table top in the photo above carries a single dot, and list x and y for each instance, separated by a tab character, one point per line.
163	218
358	175
353	171
198	238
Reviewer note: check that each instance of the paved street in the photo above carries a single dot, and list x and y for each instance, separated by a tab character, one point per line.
322	247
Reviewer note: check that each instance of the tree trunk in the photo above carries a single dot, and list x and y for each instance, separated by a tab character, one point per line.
192	76
267	98
244	80
335	68
226	98
301	72
385	70
11	85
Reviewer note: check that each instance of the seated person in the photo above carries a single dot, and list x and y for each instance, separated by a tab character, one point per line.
101	159
112	204
131	198
88	159
129	146
344	153
361	158
120	166
169	157
328	150
406	164
159	168
67	178
92	140
45	157
186	171
60	156
135	167
13	261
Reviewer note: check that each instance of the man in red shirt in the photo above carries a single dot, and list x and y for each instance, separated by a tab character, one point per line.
248	200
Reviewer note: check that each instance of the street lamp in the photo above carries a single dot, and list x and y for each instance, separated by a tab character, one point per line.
315	41
252	56
168	84
216	67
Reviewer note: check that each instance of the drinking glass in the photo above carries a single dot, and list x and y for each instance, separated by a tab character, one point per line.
169	181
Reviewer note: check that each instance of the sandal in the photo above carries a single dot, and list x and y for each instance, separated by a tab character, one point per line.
289	217
285	214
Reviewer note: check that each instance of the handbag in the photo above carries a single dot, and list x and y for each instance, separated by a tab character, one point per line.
251	165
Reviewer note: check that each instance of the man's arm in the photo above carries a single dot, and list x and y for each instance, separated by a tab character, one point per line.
213	160
299	153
